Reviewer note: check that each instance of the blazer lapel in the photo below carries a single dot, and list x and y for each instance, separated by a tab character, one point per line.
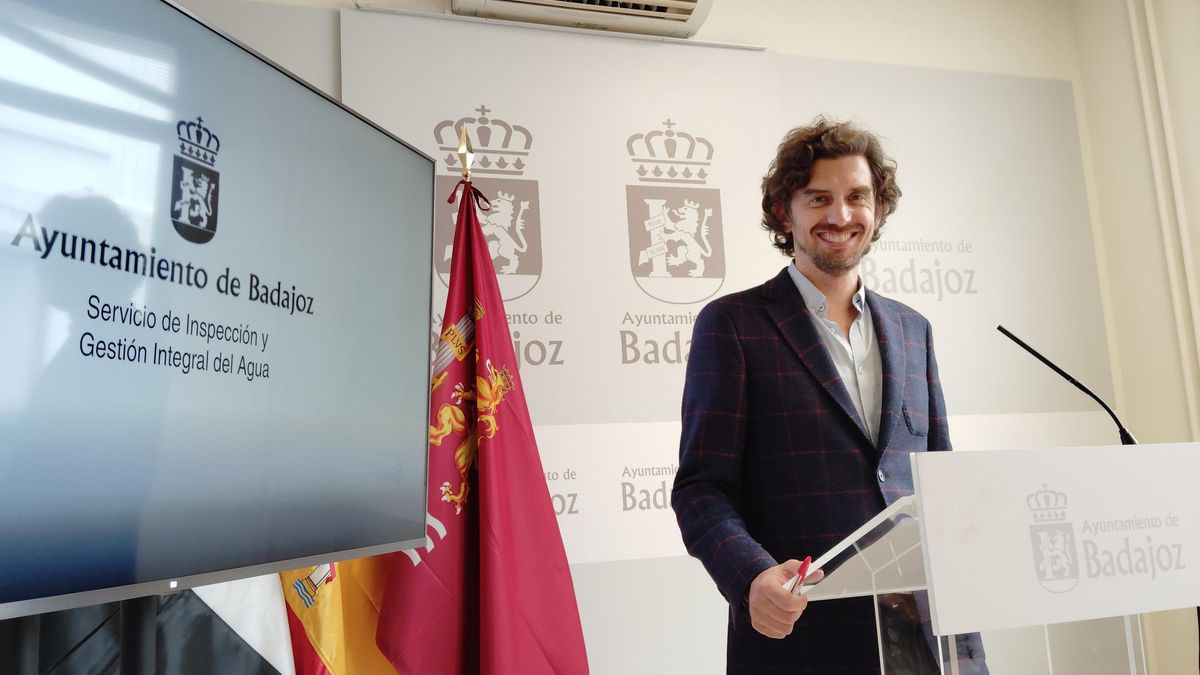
889	333
786	308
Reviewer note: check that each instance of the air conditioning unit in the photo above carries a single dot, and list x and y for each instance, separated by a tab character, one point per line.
668	18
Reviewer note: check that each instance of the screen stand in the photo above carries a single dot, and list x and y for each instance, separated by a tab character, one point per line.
139	631
26	644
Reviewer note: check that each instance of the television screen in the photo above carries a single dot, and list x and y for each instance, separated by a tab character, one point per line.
214	312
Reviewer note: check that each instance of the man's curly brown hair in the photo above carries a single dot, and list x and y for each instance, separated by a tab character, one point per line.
791	170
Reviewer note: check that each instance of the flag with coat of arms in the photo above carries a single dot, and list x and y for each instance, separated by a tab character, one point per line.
491	590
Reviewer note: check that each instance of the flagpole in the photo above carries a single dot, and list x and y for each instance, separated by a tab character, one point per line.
466	154
498	590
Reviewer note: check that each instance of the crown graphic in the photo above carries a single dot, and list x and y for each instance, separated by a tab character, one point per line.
500	148
197	141
1047	505
670	156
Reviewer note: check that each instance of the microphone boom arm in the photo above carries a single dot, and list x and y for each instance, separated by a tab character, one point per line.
1126	437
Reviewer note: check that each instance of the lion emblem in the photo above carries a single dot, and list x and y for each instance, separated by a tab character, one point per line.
505	232
487	396
195	204
686	225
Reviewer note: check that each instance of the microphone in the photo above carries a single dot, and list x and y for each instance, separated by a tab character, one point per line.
1126	437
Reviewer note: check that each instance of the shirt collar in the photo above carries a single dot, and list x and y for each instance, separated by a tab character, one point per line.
815	299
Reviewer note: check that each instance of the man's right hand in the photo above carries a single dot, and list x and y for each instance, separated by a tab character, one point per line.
773	611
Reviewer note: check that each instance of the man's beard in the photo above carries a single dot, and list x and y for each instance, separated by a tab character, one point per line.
834	265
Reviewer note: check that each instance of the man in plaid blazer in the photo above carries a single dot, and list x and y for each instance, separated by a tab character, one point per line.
804	397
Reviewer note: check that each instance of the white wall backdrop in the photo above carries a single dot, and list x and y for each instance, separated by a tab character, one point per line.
993	226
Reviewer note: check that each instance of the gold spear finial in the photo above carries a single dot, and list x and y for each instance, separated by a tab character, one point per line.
466	154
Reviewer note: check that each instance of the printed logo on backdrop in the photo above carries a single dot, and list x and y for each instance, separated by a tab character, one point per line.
1054	556
676	247
194	182
513	225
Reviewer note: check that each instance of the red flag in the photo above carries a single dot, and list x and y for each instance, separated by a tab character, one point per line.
491	592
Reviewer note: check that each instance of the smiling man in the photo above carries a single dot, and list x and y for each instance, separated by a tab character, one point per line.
804	397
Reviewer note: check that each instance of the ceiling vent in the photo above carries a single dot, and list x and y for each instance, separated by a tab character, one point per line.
667	18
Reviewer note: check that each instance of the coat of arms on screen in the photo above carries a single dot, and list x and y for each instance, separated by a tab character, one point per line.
676	248
194	182
513	225
307	587
1054	556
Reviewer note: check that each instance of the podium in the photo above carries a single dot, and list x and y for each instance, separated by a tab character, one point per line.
1042	560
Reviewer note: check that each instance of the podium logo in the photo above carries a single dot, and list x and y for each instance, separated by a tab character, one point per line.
512	227
194	182
1055	558
676	248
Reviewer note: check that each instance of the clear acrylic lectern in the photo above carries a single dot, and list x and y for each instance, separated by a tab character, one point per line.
884	560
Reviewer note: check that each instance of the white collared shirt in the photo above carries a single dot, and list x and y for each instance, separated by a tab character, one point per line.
857	359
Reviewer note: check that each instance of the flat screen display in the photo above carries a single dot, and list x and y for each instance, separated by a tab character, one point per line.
214	312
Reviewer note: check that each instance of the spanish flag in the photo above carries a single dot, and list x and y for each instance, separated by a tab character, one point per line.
333	610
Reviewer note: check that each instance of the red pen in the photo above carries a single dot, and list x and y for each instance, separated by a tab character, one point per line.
801	574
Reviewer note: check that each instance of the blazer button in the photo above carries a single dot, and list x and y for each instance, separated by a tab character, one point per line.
881	476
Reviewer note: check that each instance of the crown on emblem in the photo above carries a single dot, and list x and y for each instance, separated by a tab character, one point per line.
1047	505
197	141
503	196
670	156
500	148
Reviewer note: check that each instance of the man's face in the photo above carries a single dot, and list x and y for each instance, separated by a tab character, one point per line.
833	218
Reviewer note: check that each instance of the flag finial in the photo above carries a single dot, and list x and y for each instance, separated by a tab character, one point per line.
466	154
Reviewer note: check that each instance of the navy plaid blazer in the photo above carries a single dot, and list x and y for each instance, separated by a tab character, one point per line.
775	463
